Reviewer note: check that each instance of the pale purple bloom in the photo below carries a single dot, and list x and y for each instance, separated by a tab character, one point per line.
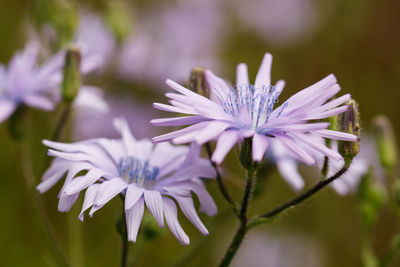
279	22
287	164
144	173
364	161
187	33
87	124
272	249
247	111
94	39
24	82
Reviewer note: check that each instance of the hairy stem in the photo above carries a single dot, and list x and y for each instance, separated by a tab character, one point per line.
242	230
305	195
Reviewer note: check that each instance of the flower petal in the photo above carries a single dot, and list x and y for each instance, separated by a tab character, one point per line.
187	207
242	76
90	197
154	204
82	182
108	190
133	219
225	143
133	194
260	146
66	201
171	216
288	169
263	77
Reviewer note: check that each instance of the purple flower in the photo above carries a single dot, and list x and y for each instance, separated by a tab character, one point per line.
188	33
287	165
24	82
144	173
247	111
94	39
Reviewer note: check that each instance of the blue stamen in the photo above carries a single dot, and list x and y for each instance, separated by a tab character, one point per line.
134	170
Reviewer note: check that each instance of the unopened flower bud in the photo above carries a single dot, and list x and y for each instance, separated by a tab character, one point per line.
61	15
349	122
371	199
385	140
198	82
119	20
72	77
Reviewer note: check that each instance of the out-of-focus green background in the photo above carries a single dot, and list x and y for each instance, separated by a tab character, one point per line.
357	40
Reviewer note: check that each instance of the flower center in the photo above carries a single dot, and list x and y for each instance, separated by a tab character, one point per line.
258	103
137	171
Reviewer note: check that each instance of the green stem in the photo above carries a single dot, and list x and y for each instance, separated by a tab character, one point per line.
39	209
305	195
235	244
391	253
122	230
62	121
242	230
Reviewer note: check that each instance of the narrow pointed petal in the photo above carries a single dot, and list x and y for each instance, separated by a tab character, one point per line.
212	130
288	169
337	135
90	197
108	190
242	76
82	182
290	144
260	146
207	204
171	216
6	109
224	144
66	201
154	204
187	207
133	194
263	77
133	219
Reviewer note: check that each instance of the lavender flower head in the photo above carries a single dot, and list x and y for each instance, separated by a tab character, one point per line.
24	82
142	172
247	111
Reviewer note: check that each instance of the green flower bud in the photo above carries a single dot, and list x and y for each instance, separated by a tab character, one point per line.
60	14
385	140
72	77
371	199
198	82
118	19
349	122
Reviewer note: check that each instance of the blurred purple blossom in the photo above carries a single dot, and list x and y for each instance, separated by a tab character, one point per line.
170	41
279	250
94	38
278	21
136	113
